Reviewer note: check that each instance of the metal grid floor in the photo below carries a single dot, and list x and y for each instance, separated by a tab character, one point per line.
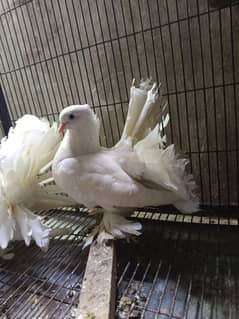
180	267
180	270
41	285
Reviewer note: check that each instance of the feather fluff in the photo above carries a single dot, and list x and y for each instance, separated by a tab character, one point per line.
163	166
113	226
30	145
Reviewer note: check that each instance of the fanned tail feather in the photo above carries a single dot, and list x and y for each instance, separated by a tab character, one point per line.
165	168
29	226
146	107
137	99
30	145
7	226
145	122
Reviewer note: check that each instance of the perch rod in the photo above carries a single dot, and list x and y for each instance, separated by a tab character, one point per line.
97	298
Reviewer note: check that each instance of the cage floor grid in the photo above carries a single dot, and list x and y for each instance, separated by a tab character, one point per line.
176	269
35	284
179	271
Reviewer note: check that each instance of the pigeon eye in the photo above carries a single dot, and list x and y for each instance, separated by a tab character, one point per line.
71	116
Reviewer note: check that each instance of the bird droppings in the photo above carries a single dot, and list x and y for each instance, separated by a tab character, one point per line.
7	254
130	305
78	285
90	316
71	293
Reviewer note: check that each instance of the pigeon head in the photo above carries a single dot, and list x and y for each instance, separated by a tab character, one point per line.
75	117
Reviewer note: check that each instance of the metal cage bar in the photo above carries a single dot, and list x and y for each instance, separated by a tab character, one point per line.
4	114
62	52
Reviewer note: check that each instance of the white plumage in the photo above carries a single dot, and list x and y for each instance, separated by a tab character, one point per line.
28	147
138	171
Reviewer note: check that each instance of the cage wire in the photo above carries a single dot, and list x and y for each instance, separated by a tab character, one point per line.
58	53
62	52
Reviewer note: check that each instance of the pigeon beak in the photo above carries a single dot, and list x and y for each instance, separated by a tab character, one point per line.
61	127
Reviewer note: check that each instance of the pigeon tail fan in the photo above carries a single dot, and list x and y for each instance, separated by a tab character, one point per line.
146	109
147	118
30	145
29	226
165	168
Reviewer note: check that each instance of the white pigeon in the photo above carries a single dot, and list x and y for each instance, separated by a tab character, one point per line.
137	172
25	185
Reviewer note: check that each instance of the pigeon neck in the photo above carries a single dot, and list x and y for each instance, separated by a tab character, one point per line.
80	144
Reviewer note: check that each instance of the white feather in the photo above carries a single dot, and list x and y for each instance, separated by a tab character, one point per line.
28	147
165	168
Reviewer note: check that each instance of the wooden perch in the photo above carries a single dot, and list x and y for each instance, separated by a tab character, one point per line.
97	297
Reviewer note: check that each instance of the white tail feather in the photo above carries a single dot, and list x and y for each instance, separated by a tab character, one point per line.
145	111
163	165
7	226
29	227
166	169
29	146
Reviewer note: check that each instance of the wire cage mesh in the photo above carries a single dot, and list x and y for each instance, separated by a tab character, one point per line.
62	52
57	53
